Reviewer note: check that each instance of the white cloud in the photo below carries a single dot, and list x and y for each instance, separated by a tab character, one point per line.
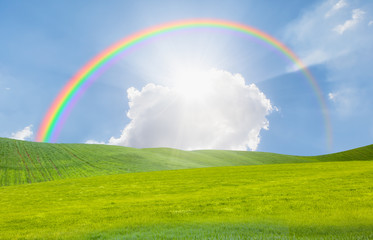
216	111
335	8
332	96
357	16
316	39
310	58
24	134
370	23
91	141
345	100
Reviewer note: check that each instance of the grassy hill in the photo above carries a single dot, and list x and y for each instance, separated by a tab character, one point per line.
357	154
111	192
28	162
325	200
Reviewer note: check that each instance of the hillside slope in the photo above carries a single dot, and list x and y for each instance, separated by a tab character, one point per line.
27	162
357	154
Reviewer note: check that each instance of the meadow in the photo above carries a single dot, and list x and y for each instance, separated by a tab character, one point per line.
316	198
285	201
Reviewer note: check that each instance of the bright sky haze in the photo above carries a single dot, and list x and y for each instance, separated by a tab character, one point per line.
197	88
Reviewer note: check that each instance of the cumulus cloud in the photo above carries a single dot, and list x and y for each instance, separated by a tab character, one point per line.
91	141
357	16
24	134
335	8
217	111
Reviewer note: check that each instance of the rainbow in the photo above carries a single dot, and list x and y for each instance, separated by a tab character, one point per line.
78	84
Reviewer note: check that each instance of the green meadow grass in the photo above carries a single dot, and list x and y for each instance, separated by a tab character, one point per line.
28	162
79	191
324	200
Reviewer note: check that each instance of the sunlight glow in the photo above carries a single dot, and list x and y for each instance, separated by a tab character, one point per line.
193	84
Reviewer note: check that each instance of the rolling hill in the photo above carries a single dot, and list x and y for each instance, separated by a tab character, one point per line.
80	191
27	162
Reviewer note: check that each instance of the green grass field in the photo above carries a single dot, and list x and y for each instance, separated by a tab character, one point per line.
320	197
286	201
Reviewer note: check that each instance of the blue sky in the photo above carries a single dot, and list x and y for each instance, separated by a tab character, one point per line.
44	43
